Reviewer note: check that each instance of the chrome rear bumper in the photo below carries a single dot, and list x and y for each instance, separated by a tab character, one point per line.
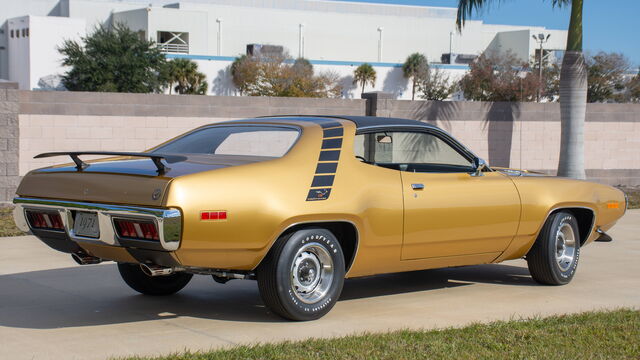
168	221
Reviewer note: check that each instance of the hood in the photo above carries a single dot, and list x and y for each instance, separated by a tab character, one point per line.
519	172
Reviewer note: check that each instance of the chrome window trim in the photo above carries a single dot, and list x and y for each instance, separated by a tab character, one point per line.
167	220
231	124
439	133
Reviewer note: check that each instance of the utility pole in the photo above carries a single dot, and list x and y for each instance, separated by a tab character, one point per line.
219	47
541	39
380	29
451	47
300	41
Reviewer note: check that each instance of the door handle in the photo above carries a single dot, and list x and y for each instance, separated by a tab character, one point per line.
417	186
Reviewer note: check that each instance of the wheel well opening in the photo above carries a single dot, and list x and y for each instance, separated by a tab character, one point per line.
345	232
585	220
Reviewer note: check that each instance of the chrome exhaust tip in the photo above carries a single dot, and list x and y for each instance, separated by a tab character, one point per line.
84	259
156	270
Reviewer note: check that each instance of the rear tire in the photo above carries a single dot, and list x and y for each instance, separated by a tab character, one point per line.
553	259
301	277
152	285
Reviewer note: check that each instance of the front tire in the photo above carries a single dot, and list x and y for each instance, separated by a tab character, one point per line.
133	275
302	276
553	259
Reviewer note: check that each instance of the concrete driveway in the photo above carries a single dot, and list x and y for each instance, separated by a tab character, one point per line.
51	308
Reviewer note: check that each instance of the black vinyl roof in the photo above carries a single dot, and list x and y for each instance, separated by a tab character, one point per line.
362	121
370	121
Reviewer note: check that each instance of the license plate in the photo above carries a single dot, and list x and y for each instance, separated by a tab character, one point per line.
86	224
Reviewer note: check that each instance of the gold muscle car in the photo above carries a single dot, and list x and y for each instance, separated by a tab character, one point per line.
298	203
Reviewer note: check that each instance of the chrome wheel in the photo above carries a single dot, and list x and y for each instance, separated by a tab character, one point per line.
565	247
312	273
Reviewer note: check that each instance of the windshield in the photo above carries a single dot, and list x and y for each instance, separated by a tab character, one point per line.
267	141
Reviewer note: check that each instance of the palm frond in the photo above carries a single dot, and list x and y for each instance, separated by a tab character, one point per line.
466	8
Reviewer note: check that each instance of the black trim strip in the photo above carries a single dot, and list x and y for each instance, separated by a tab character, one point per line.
332	143
322	180
326	168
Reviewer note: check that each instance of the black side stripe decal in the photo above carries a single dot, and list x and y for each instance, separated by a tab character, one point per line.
322	180
319	194
332	143
329	155
327	167
333	132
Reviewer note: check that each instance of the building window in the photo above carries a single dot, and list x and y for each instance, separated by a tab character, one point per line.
12	33
27	31
173	42
17	33
24	32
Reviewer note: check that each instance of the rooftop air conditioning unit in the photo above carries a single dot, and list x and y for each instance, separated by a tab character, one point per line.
447	58
465	58
267	50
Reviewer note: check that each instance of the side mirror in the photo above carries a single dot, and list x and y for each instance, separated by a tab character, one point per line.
479	165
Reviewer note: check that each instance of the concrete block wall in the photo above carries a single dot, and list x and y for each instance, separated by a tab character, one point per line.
44	133
9	140
519	135
67	121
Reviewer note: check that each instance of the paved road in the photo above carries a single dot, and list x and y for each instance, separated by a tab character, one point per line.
51	308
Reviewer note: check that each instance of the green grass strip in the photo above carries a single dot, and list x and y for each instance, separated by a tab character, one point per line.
592	335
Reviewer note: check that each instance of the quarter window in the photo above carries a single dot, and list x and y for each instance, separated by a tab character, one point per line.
410	151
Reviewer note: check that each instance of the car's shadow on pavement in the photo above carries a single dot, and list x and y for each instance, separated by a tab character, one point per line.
95	295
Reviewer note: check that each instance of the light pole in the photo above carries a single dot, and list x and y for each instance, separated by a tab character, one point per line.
219	47
380	29
451	47
300	41
522	74
541	39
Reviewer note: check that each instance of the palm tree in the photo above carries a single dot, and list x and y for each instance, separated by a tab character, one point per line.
364	74
416	67
573	86
184	73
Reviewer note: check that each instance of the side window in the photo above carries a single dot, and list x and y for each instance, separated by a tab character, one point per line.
410	151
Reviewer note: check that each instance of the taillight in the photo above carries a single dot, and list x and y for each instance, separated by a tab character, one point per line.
136	229
45	220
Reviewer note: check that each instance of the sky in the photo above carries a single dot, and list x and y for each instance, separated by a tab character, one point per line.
609	25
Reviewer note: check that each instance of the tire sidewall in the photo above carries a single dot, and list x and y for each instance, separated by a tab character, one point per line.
289	300
560	219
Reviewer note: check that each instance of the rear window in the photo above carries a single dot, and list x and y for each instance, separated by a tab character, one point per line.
267	141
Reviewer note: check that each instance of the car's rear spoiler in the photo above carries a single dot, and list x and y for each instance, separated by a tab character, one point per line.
81	165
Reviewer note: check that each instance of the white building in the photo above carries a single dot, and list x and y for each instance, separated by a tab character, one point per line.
336	36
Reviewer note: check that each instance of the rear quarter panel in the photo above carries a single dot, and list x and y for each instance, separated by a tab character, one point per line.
264	199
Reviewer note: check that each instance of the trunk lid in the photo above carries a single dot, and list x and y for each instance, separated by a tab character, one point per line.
122	180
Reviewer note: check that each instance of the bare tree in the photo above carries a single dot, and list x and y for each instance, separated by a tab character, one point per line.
606	77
